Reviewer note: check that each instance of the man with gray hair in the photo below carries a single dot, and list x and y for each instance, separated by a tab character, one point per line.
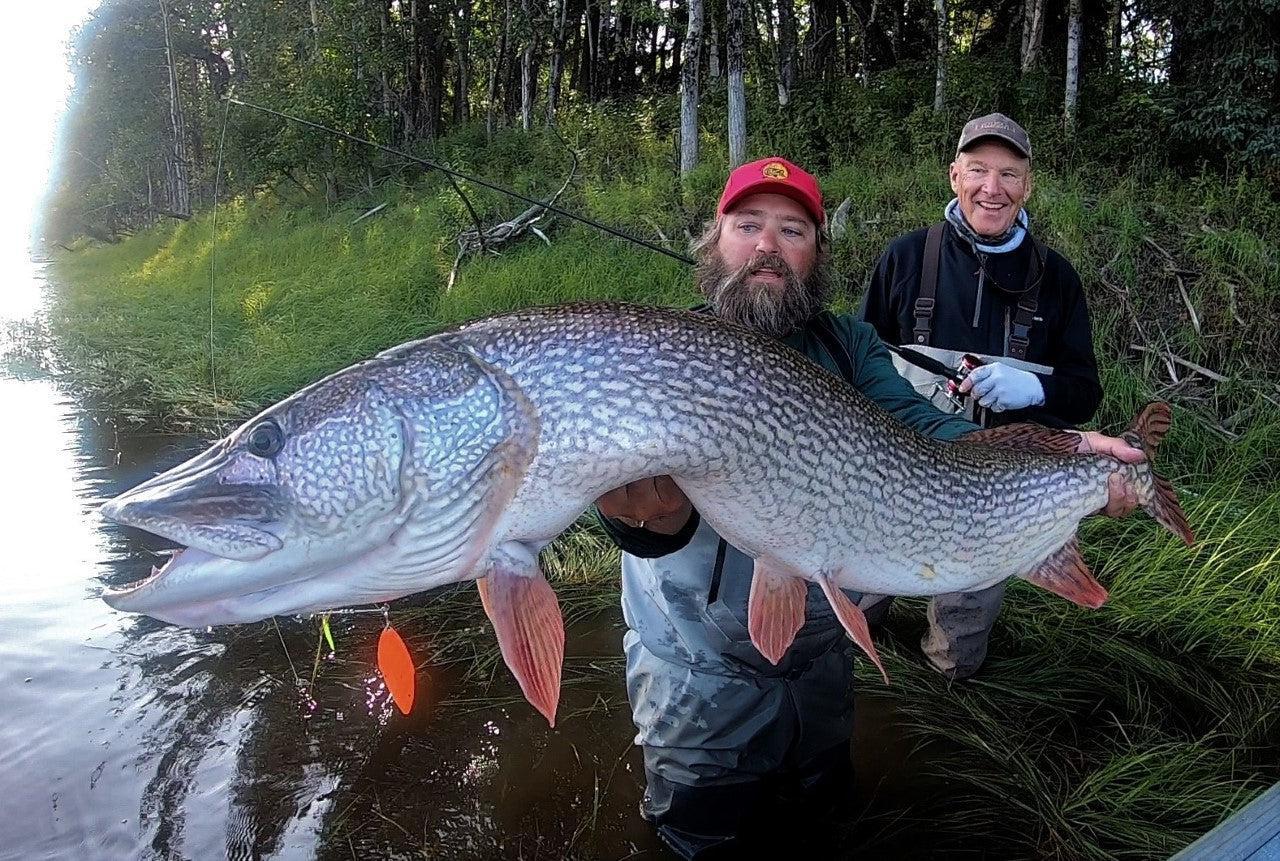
980	283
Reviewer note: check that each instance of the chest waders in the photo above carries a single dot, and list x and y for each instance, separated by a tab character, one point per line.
1017	329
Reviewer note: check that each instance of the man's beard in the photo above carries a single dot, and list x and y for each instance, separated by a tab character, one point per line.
775	310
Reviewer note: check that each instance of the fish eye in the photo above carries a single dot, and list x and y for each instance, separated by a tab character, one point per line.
266	439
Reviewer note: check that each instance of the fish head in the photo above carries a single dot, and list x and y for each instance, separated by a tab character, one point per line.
384	479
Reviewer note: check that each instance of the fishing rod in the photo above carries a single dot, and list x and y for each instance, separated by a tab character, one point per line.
484	183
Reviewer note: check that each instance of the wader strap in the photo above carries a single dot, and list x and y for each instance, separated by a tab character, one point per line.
830	341
928	284
714	592
1020	335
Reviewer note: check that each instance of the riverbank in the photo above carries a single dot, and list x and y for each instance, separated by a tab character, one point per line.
1124	732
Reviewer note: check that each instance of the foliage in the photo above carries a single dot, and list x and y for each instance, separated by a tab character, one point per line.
1183	87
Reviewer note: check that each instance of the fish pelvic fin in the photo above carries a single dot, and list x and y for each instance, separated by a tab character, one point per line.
1161	502
526	618
1065	573
775	611
1025	436
853	621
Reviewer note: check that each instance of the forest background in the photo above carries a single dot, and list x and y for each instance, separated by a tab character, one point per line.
212	257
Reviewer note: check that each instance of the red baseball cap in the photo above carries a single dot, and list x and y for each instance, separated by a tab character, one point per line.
773	175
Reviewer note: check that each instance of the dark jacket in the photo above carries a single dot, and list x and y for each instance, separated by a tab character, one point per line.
1060	333
872	373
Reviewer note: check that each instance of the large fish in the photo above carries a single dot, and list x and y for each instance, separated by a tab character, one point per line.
462	455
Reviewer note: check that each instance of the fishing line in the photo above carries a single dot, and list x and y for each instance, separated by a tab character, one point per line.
484	183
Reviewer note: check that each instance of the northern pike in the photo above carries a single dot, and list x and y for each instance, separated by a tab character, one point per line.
462	455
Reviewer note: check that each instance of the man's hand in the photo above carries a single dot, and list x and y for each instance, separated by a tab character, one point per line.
1002	387
656	504
1121	497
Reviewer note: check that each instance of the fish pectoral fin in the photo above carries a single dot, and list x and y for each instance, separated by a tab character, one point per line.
1025	436
526	617
851	618
775	611
1064	573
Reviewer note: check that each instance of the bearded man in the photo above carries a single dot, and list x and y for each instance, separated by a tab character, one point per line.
726	734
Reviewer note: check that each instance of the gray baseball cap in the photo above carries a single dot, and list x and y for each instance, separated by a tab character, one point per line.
995	126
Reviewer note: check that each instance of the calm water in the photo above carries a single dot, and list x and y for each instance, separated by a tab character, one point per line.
127	738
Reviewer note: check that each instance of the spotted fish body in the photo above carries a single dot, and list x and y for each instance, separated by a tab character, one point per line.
462	455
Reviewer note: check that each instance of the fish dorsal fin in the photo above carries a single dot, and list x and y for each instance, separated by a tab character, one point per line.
775	611
852	620
1150	426
1025	436
526	618
1064	573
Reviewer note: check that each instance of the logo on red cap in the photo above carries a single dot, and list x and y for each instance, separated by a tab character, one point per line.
775	170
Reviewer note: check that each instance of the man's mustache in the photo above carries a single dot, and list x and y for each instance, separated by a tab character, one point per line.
767	262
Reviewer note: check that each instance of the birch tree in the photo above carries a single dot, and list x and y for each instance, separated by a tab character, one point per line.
737	82
556	70
528	81
178	192
1073	65
1032	33
689	61
940	8
786	51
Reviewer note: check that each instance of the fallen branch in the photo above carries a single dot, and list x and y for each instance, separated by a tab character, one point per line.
1172	267
479	241
1191	366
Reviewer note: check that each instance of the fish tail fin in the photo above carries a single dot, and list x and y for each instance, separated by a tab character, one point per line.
1160	499
1163	506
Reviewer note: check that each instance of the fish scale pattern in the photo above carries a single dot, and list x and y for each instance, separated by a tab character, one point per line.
778	454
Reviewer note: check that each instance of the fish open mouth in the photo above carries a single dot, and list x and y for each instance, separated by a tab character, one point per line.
157	571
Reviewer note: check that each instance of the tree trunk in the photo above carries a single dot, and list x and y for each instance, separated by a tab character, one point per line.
593	48
462	89
527	80
939	89
1073	66
495	70
713	51
689	62
1117	25
556	70
736	36
315	26
899	22
1032	33
384	24
821	39
178	197
786	51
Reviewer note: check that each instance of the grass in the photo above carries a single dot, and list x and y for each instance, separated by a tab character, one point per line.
1120	733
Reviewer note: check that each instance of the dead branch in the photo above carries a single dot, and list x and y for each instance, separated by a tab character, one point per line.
490	239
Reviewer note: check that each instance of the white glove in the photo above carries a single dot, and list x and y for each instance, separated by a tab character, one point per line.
1001	387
